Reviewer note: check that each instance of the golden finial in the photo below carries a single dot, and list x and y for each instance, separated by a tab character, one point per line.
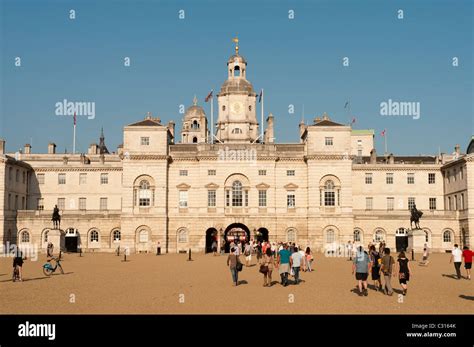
236	41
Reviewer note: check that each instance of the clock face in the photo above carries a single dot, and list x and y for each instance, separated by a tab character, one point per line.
236	108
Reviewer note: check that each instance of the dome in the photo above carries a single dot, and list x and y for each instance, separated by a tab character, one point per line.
236	58
236	86
194	111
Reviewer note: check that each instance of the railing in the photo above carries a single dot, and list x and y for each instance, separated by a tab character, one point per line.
65	213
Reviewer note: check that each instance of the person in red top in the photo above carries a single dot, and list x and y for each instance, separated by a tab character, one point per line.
467	255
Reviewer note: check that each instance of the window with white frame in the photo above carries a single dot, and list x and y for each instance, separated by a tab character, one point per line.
211	198
40	204
182	236
183	198
368	178
389	178
369	202
82	204
411	203
237	196
211	172
328	141
447	236
390	203
94	236
379	236
25	236
290	199
62	178
290	172
143	236
431	178
432	204
144	194
183	172
61	203
145	141
262	172
329	194
410	178
291	235
40	178
357	237
227	197
117	236
262	198
104	178
82	178
330	236
103	203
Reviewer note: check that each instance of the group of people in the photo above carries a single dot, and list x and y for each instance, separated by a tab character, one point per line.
379	266
457	257
289	259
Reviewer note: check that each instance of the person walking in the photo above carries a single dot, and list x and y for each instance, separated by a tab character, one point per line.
375	271
259	252
386	268
361	265
232	261
266	268
467	256
349	250
158	248
295	262
18	266
309	259
283	263
426	254
403	271
456	258
304	266
248	254
49	250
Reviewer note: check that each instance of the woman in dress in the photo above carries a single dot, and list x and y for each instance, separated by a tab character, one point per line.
268	263
374	258
403	271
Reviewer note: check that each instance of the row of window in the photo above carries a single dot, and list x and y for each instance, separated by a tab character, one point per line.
260	172
15	205
369	203
104	178
389	178
455	202
17	175
454	174
61	202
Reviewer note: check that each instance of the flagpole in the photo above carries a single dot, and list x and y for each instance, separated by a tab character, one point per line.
212	116
74	137
261	132
385	137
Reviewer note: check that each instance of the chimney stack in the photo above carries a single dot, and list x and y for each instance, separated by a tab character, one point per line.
391	159
171	127
2	146
373	156
457	150
269	134
92	148
51	148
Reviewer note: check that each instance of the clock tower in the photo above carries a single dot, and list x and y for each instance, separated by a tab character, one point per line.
237	121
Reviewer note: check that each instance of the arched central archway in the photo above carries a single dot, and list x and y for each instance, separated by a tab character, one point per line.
211	236
234	232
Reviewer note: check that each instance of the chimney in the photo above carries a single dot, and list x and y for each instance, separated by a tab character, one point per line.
269	134
373	156
2	146
120	150
391	159
457	150
27	149
92	148
302	128
51	148
171	126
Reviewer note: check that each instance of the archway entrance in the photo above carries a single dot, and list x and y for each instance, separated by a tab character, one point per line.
236	232
211	236
401	239
262	235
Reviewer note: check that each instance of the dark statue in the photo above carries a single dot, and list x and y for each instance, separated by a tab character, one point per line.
56	217
415	217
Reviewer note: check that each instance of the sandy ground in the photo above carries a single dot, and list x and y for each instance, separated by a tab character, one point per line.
103	283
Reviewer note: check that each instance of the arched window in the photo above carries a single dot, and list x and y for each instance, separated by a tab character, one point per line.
379	236
25	236
195	139
94	236
447	236
401	232
195	125
182	236
291	235
329	194
117	235
330	236
236	131
236	193
357	236
144	194
143	236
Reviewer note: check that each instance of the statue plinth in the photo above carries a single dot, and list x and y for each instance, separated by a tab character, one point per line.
55	237
416	240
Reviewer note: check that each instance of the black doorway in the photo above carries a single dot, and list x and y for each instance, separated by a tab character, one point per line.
71	243
262	235
211	236
235	231
401	243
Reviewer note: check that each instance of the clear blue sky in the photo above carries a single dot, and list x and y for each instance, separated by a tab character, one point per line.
296	61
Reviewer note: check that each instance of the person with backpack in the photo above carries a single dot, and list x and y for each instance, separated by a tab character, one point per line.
375	259
386	268
232	261
361	265
403	272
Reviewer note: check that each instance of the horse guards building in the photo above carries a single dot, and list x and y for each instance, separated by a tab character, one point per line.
326	190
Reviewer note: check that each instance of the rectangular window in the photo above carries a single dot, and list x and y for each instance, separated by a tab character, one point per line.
183	198
82	204
262	172
462	201
454	174
359	153
449	203
16	203
82	178
227	198
290	172
368	178
22	202
432	204
40	204
103	203
411	203
262	198
431	178
246	198
61	203
448	176
62	178
9	203
411	178
389	178
329	198
23	175
17	176
211	198
183	172
390	204
461	172
211	172
455	202
290	200
145	141
104	178
369	203
40	178
329	141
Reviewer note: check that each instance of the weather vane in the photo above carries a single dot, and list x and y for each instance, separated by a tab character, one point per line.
236	41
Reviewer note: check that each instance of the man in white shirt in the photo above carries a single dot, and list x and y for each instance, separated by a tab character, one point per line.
456	258
295	263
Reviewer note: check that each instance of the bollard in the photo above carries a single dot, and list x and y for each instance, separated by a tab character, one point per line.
189	259
125	256
118	251
80	251
412	254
